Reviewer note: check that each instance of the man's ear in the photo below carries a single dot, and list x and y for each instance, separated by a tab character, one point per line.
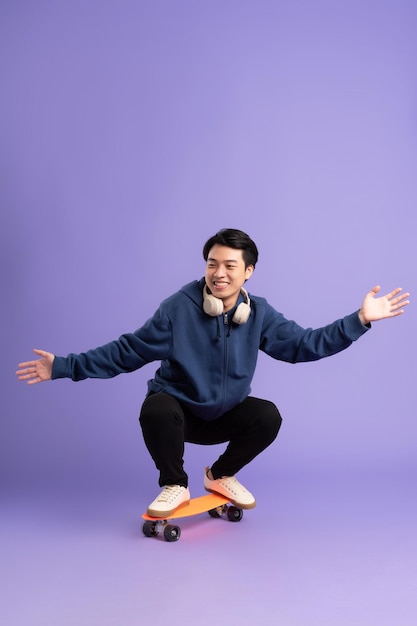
249	272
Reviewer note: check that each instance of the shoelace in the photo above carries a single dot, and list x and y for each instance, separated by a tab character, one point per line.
233	485
169	493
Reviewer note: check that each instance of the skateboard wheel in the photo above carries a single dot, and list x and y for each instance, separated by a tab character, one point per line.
172	533
150	529
234	514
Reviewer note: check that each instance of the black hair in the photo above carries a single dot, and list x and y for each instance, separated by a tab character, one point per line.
237	239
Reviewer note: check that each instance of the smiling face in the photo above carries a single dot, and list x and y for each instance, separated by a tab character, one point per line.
226	274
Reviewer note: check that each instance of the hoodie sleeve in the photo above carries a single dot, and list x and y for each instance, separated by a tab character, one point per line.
130	352
287	341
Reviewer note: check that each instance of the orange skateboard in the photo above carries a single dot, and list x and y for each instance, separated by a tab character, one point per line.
213	504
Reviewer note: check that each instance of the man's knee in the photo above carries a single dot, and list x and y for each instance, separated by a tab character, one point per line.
158	409
269	419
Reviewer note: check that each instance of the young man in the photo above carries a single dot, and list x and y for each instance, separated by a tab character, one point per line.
207	337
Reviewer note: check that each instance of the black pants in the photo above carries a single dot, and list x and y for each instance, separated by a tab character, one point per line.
166	424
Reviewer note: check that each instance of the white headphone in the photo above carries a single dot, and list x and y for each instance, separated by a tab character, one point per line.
214	306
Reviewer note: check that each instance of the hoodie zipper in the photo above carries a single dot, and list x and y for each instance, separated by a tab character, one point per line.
226	356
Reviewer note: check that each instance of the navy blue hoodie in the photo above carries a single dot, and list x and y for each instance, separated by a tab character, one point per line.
208	363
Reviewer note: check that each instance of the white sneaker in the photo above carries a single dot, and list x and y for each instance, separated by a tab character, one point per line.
171	498
230	487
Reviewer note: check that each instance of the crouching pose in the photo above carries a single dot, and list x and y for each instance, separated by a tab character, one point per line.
207	337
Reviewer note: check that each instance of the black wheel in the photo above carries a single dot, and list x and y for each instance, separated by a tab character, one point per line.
150	529
216	512
234	514
172	533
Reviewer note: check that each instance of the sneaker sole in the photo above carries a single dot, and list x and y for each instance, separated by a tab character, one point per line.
165	514
252	505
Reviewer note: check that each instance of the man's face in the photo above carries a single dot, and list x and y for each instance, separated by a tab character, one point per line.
226	274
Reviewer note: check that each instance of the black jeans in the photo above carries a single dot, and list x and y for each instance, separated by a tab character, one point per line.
166	424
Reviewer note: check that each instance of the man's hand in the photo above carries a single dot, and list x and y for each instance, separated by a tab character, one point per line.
36	371
390	305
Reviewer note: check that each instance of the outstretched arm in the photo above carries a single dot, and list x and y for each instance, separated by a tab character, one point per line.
36	371
390	305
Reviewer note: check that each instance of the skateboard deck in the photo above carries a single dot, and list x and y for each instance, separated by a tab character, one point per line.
212	503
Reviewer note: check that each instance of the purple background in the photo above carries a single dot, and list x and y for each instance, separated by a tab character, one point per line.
130	133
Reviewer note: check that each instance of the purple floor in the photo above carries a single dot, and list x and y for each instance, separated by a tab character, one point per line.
336	551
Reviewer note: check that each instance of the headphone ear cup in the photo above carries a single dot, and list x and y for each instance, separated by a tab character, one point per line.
212	306
242	313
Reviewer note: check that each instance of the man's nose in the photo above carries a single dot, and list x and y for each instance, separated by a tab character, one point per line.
220	271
